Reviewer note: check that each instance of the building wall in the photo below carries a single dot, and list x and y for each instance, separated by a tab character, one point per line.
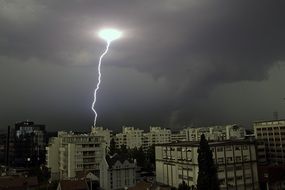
130	137
117	176
272	133
236	164
29	144
75	153
224	132
52	158
156	135
100	131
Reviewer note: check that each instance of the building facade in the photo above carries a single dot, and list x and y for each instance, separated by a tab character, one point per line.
156	135
69	153
272	133
235	161
224	132
100	131
117	172
130	137
179	136
29	144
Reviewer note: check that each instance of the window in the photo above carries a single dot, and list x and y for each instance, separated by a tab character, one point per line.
238	167
222	181
228	148
221	169
239	178
220	160
220	149
238	158
229	159
230	168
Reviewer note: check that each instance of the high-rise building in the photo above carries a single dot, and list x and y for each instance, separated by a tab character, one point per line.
69	153
29	144
272	133
235	161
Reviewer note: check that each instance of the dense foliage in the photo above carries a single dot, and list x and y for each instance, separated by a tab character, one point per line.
207	177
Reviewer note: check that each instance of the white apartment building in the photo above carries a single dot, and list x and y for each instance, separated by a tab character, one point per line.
272	133
156	135
130	137
69	153
224	132
117	172
179	136
100	131
235	160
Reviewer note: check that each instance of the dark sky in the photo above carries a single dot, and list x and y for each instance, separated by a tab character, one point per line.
180	62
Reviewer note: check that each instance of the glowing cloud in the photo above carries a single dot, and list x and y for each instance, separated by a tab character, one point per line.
109	34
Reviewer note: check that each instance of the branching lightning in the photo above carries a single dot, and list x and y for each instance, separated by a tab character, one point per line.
99	82
108	35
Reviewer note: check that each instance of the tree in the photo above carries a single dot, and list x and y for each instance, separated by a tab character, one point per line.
150	158
183	186
207	176
113	149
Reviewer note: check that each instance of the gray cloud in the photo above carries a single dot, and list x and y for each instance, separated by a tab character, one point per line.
178	51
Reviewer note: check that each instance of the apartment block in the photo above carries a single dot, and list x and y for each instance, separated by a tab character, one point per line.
69	153
235	161
272	133
100	131
130	137
157	135
224	132
178	136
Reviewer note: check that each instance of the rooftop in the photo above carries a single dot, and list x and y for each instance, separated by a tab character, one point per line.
211	143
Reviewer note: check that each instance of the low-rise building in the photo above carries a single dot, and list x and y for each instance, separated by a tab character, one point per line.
235	161
117	172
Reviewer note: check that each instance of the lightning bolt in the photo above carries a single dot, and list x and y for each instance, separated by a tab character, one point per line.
99	82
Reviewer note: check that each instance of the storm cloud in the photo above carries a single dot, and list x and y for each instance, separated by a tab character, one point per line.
173	59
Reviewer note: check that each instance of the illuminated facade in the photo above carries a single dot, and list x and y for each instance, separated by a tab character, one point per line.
235	160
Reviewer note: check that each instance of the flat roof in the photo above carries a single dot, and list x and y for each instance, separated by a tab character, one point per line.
211	143
262	121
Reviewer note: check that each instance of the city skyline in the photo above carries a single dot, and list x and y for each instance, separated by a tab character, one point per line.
178	63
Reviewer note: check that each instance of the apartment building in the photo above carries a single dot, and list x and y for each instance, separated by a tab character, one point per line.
178	136
157	135
100	131
130	137
29	144
223	132
69	153
272	133
235	161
